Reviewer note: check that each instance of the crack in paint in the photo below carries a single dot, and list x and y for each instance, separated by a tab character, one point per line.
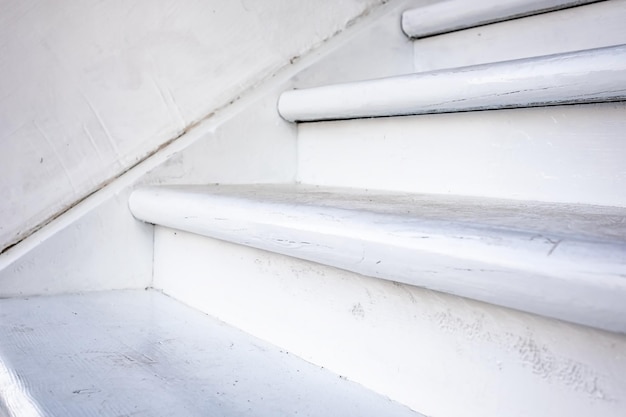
57	155
555	244
102	125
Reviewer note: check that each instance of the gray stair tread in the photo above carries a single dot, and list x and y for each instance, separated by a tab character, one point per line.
142	353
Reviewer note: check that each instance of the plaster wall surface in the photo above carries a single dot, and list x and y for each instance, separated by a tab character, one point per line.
91	88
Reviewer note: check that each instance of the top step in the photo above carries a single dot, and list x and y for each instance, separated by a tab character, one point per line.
589	76
558	260
452	15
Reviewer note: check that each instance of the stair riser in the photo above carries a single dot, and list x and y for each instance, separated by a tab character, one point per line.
571	154
412	345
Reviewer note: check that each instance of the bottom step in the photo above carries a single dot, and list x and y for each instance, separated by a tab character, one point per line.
142	353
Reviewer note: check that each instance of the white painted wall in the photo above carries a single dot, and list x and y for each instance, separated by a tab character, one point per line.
92	249
90	88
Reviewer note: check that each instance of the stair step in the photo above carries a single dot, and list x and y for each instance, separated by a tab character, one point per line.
594	75
141	352
448	16
543	34
558	260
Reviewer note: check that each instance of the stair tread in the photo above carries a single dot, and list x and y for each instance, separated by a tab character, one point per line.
441	17
436	211
561	260
587	76
126	352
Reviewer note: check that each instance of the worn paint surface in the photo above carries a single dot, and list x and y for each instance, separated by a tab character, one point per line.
89	88
590	76
141	352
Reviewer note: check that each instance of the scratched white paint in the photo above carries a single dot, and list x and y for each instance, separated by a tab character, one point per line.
589	76
123	353
514	254
442	355
543	34
451	15
89	88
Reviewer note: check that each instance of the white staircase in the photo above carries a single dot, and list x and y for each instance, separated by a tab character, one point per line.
454	244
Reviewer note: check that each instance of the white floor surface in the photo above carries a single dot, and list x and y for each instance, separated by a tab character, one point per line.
141	353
